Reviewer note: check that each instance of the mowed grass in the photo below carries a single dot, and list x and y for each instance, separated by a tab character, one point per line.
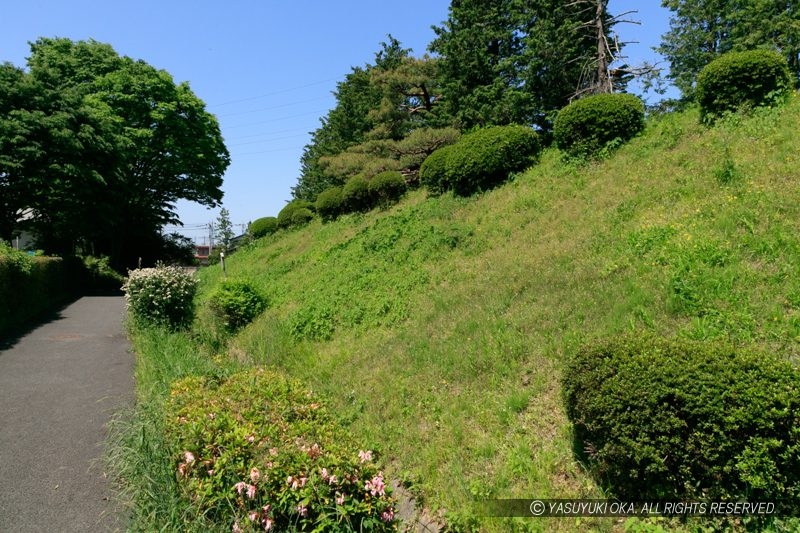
438	329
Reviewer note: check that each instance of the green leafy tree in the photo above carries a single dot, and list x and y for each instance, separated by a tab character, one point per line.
223	229
347	124
99	148
509	62
702	30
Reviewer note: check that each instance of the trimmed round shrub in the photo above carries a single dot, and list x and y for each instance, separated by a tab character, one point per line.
162	295
236	303
433	172
263	226
481	160
286	215
587	126
302	216
676	419
740	80
356	195
329	203
387	187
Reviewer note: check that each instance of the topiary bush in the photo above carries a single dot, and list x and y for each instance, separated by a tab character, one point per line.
675	419
587	126
433	173
481	160
356	195
286	216
236	303
258	452
329	203
740	80
263	226
162	295
387	188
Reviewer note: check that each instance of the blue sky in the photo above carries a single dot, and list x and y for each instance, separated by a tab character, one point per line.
265	68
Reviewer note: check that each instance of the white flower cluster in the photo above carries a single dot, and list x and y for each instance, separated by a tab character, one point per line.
162	295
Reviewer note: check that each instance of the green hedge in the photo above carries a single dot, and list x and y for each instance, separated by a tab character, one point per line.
681	420
287	218
587	126
356	196
480	160
263	226
329	203
32	286
387	188
742	79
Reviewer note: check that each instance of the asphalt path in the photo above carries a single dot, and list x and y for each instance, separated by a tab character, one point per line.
60	384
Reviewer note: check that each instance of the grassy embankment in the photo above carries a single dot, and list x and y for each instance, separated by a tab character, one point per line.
437	329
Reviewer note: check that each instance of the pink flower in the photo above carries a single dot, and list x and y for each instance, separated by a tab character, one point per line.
239	487
365	456
251	439
324	474
188	457
332	480
339	498
267	524
376	486
251	491
253	516
255	475
182	469
237	528
302	510
211	472
387	515
303	481
273	452
314	451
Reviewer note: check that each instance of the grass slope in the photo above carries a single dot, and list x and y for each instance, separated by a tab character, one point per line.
437	329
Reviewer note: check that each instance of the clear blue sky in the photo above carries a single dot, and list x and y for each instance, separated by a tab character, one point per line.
265	68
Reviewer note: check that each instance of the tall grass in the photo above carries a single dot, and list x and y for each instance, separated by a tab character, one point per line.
139	454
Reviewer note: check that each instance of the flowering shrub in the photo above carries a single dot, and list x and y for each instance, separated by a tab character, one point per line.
161	295
257	452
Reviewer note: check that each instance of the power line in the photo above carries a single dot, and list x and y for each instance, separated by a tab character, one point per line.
265	95
274	107
267	140
275	119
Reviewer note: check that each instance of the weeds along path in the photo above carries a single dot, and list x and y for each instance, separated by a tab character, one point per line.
59	386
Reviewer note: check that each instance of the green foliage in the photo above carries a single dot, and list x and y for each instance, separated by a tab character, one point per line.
587	126
102	277
356	194
516	62
257	451
236	303
329	203
433	173
162	295
742	80
263	226
286	216
700	32
387	188
481	160
87	127
676	419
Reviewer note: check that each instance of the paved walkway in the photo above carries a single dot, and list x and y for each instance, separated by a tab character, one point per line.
59	386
